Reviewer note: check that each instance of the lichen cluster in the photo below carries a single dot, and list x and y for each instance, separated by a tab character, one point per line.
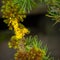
54	10
31	49
31	55
27	48
14	13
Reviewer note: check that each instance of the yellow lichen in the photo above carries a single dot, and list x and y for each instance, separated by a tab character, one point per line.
15	11
31	55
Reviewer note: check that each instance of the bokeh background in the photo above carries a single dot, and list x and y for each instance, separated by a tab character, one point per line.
38	24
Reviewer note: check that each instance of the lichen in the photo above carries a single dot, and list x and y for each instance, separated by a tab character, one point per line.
27	48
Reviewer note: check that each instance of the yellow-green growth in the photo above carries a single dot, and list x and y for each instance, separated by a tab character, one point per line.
27	48
54	10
